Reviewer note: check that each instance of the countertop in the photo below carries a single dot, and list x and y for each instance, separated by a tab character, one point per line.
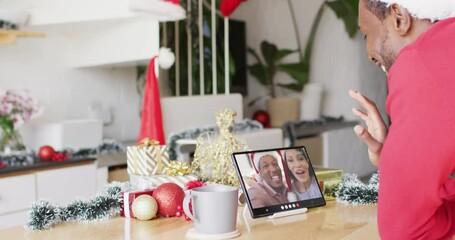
42	165
303	129
333	221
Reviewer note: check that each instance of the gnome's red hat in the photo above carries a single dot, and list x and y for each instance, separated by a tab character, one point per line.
256	160
151	116
227	7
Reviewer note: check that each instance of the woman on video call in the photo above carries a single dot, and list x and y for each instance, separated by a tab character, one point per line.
304	184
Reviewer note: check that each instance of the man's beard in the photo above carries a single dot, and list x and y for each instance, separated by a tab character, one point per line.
389	58
387	55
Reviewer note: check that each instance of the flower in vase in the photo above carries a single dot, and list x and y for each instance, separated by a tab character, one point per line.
16	108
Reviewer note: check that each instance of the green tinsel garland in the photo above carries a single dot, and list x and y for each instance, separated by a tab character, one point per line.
106	204
352	190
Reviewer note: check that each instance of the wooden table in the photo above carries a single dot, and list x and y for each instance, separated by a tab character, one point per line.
334	221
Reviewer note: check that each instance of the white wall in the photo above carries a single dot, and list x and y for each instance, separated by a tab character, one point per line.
338	63
42	67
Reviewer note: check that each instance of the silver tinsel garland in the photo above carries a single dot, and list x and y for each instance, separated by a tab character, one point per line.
104	205
244	125
352	190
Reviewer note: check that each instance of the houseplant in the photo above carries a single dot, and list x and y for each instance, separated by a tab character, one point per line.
16	108
264	71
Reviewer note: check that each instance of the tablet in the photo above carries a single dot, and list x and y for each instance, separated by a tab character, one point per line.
277	180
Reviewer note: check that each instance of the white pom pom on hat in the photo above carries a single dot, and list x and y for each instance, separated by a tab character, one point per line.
166	58
425	9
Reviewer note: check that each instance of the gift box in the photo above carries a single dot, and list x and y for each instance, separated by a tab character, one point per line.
147	159
128	199
329	179
142	182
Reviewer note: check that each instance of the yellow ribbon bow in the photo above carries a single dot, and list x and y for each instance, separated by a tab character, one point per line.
146	142
178	168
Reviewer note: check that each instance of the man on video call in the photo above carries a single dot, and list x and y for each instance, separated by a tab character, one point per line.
413	41
269	188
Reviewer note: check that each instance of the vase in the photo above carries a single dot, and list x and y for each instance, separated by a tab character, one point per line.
311	102
283	110
11	142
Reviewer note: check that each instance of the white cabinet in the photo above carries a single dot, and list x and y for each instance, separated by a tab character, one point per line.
16	195
95	32
61	186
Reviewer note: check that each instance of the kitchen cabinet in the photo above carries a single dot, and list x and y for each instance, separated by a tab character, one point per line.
16	195
98	33
63	185
60	185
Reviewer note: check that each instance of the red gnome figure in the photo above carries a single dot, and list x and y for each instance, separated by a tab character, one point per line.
227	7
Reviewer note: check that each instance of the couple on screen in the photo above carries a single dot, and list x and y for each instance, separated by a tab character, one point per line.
270	189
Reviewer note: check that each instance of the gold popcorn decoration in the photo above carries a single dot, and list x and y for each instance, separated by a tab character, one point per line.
178	168
212	158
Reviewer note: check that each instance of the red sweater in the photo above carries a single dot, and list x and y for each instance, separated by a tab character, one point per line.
416	193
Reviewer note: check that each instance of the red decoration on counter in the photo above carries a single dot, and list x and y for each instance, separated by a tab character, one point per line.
60	156
46	153
263	117
3	164
227	7
194	184
170	198
151	117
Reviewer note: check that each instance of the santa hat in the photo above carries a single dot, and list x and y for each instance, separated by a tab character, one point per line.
227	7
256	159
163	10
425	9
151	116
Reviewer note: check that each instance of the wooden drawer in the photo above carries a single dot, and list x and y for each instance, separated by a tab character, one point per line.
17	193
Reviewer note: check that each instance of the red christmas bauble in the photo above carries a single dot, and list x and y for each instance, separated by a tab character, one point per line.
169	197
46	152
263	117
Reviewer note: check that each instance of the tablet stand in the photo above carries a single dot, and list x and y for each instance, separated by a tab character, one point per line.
288	213
274	216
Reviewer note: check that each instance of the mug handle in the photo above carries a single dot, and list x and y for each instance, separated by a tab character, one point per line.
186	207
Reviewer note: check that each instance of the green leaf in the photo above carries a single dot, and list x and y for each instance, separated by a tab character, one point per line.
255	55
298	71
269	51
354	4
258	71
346	10
282	54
292	86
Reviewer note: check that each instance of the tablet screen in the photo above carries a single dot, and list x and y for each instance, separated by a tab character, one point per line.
277	180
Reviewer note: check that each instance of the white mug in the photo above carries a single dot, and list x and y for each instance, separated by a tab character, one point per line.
214	208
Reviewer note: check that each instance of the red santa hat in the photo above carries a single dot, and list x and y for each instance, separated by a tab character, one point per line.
256	160
151	116
425	9
163	10
227	7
